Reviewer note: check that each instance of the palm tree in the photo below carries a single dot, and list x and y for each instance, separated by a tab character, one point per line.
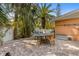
4	21
58	10
44	13
24	18
15	8
5	9
3	17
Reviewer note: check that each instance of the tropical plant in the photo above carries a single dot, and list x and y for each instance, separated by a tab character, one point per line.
44	13
3	17
24	19
4	22
58	10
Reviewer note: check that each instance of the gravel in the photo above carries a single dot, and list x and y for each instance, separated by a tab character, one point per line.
25	47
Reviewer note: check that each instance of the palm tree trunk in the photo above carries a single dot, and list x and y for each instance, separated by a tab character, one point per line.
15	27
43	22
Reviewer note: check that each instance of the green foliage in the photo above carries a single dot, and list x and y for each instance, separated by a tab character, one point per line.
3	17
48	25
45	14
37	24
27	17
4	22
2	34
24	19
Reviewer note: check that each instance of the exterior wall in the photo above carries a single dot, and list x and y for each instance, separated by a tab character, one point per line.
9	35
69	27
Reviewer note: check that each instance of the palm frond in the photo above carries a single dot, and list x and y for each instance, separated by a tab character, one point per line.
48	6
3	17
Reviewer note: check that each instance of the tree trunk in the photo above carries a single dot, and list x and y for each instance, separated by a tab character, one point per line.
43	22
15	25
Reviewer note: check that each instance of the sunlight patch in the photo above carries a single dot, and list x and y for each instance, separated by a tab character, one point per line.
71	46
28	46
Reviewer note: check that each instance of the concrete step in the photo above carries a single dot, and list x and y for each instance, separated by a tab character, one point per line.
61	37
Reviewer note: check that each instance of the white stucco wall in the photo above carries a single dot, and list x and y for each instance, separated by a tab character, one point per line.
8	35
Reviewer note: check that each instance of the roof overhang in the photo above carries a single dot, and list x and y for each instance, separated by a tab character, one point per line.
69	15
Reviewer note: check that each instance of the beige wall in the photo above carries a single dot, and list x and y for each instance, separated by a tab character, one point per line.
71	30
